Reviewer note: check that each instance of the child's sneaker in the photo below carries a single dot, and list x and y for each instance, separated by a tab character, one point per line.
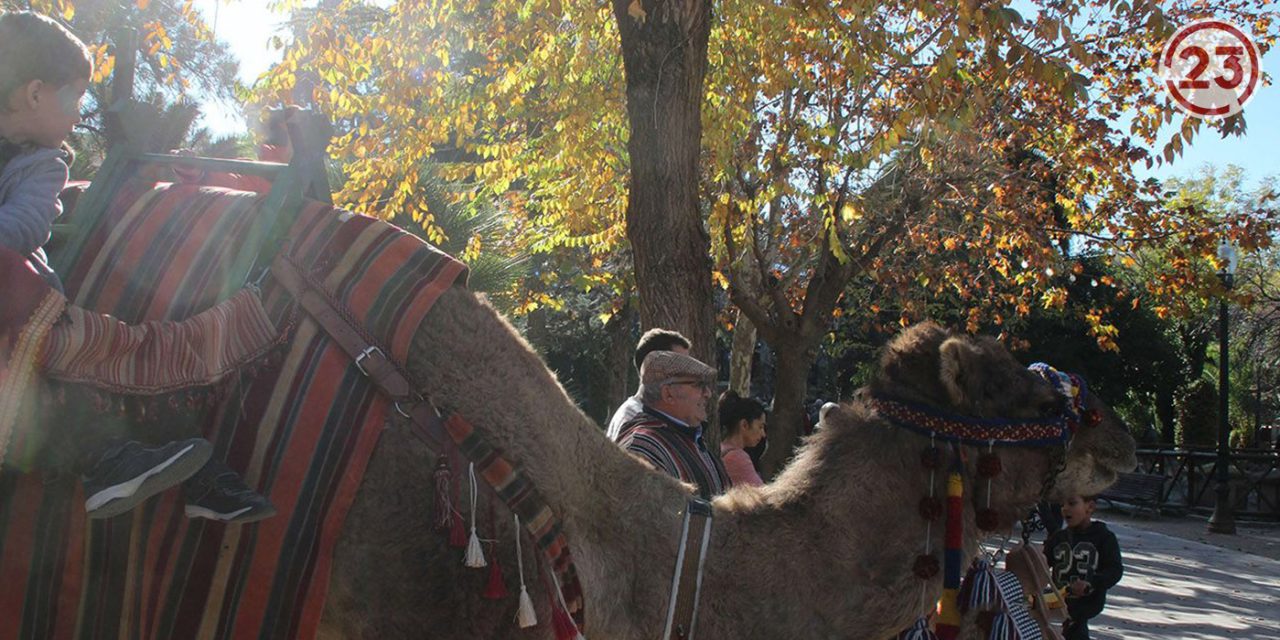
217	493
128	473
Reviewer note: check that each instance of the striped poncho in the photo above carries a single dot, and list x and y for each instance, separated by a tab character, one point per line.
674	448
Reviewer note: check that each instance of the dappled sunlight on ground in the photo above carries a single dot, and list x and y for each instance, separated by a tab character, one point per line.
1175	588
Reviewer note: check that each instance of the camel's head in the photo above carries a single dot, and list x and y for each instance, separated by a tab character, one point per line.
1100	447
962	375
977	378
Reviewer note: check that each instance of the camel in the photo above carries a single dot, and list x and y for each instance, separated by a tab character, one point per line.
824	551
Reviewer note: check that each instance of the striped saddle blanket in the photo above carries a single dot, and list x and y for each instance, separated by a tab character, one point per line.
300	431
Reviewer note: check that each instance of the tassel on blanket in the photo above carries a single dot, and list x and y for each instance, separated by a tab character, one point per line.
475	555
948	627
918	631
496	589
1002	628
457	531
457	534
525	615
444	490
561	620
562	624
978	591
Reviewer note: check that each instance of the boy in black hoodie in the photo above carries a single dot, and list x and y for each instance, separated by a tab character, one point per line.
1085	560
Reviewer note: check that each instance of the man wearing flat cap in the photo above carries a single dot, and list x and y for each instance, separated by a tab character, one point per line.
674	390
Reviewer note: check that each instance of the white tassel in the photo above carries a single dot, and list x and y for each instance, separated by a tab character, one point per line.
525	615
475	555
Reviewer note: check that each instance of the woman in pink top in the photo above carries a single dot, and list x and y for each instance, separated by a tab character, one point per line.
742	423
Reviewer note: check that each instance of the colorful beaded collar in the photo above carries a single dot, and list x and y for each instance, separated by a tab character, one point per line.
968	430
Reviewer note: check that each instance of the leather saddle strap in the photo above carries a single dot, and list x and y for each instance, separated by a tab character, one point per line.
686	583
369	358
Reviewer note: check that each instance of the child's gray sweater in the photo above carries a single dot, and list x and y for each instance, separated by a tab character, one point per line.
29	186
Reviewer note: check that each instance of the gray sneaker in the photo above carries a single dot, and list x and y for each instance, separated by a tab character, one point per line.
126	474
217	492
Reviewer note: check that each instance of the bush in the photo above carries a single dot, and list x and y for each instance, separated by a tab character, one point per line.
1241	438
1197	415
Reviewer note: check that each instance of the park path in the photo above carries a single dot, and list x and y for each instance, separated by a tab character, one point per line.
1175	588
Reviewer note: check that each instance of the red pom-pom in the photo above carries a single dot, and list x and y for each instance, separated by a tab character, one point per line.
1092	418
989	465
925	567
931	458
930	508
988	519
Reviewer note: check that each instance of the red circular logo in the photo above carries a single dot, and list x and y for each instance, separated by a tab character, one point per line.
1210	68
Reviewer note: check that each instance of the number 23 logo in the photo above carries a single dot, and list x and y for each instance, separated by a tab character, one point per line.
1231	63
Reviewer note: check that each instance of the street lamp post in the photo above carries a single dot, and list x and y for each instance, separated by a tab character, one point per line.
1223	519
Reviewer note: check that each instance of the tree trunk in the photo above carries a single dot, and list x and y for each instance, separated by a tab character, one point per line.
741	355
1167	414
788	421
664	50
621	348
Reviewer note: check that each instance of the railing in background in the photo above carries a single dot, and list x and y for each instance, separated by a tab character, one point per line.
1255	479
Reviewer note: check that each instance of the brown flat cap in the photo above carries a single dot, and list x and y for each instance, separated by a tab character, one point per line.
665	366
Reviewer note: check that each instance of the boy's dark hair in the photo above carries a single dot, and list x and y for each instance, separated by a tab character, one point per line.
34	47
734	408
658	340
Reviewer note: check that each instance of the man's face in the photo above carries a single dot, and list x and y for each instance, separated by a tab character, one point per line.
687	400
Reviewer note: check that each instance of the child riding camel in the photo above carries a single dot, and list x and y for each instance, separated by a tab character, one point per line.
44	73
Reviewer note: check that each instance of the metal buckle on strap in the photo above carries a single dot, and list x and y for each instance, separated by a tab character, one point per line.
368	353
401	411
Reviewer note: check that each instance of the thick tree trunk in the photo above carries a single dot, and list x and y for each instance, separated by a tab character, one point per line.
742	354
621	348
664	49
787	423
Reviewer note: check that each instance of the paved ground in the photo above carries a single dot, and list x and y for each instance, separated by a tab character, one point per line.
1183	583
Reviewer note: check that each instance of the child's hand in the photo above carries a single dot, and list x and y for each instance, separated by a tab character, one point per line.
1079	588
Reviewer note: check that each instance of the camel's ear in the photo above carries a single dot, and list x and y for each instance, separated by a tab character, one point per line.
958	366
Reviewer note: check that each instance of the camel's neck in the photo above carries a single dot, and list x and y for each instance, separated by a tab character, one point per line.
472	362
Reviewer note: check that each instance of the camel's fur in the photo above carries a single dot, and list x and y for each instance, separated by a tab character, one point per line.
825	551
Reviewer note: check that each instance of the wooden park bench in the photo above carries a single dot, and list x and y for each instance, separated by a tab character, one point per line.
1141	490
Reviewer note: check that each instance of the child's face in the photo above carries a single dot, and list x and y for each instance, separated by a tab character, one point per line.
1077	511
44	114
60	114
